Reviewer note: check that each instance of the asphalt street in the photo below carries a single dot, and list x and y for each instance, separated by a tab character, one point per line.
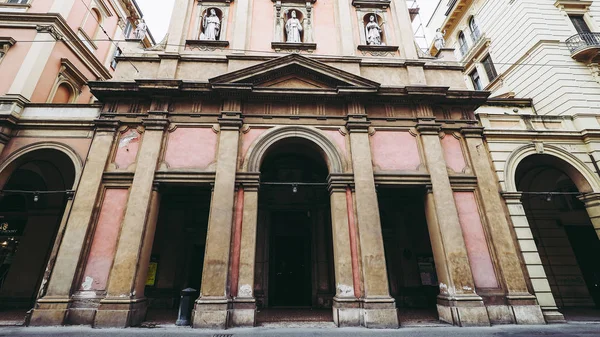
496	331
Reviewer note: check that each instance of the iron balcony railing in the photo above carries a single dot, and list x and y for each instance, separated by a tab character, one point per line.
583	40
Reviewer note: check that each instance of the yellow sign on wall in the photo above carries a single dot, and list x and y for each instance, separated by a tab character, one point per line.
152	268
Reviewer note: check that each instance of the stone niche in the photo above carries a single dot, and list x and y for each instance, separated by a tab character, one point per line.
304	13
379	10
221	8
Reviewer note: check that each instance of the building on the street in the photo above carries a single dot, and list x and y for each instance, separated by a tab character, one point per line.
544	148
49	50
269	155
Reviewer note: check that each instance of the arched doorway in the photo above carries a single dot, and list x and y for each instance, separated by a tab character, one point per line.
564	235
35	190
294	257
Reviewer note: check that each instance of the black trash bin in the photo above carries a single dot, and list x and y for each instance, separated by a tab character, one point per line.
185	306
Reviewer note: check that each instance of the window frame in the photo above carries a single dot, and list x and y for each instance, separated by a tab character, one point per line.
489	67
476	81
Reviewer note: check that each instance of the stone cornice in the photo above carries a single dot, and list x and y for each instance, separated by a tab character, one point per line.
66	35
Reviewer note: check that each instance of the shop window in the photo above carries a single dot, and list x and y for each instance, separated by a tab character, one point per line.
476	80
490	70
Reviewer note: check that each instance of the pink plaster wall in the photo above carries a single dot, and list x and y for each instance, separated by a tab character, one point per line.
78	13
40	6
325	28
50	74
10	65
475	240
191	148
453	154
105	240
248	138
261	34
127	149
338	139
230	25
395	150
80	145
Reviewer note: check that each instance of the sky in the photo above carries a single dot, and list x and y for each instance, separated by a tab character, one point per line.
158	14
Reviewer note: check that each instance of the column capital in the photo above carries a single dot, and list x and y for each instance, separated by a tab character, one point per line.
106	125
429	128
590	199
231	120
250	181
340	182
512	197
472	132
159	124
358	123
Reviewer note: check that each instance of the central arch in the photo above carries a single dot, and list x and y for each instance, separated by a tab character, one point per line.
256	153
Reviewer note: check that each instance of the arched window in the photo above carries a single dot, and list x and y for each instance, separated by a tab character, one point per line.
92	23
63	95
475	34
374	34
462	42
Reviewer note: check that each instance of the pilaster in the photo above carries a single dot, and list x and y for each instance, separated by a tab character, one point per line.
123	305
531	258
212	307
244	304
524	307
458	303
346	306
379	308
52	307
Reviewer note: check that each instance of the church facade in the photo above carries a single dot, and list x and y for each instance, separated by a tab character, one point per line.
269	155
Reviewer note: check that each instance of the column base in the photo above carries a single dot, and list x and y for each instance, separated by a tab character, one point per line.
379	313
553	316
49	311
83	309
119	313
211	313
243	312
526	309
346	312
465	310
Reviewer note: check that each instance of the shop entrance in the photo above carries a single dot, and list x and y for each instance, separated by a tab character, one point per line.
411	269
562	230
294	277
32	203
177	256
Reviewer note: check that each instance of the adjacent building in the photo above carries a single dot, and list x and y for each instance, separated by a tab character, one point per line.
544	147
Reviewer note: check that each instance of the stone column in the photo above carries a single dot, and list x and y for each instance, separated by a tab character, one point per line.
458	303
379	308
531	257
244	304
524	306
123	305
52	307
592	205
211	310
346	307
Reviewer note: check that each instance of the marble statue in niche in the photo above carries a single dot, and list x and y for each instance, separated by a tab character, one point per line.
293	29
373	32
211	25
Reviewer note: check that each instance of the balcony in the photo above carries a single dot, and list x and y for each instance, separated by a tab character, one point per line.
584	47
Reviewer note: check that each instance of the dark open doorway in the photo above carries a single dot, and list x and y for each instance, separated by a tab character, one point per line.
178	250
32	205
409	257
562	230
294	261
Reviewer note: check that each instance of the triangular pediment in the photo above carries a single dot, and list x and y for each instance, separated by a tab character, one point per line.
294	72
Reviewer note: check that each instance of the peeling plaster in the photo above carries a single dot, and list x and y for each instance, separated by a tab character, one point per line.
245	291
345	290
87	284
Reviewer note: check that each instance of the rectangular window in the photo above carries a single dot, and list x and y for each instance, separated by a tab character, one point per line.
128	29
114	62
580	24
490	70
476	80
21	2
